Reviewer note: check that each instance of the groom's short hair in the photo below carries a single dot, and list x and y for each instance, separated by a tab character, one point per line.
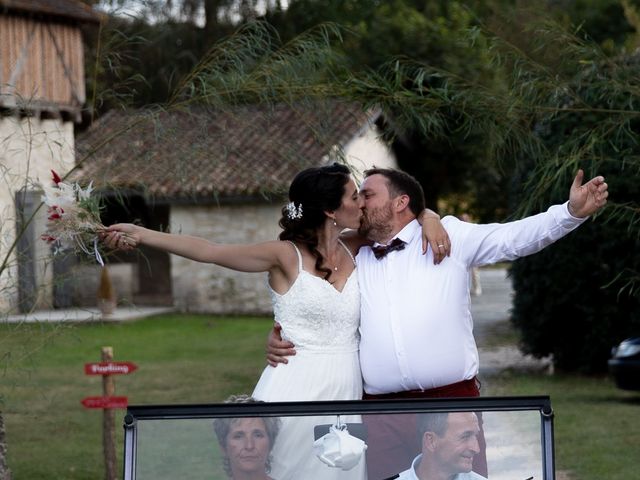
401	183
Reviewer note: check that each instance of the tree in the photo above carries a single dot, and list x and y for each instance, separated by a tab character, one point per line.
585	288
5	472
136	60
427	33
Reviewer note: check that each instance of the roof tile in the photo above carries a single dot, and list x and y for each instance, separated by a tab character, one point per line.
244	152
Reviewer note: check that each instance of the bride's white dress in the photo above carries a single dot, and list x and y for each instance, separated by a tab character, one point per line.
322	323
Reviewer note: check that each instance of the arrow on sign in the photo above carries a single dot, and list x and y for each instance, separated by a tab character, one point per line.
109	368
105	402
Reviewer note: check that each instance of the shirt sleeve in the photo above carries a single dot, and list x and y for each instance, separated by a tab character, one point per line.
496	242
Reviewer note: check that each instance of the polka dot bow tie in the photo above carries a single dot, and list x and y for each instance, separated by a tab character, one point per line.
381	250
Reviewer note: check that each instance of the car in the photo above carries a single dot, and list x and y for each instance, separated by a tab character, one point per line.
624	364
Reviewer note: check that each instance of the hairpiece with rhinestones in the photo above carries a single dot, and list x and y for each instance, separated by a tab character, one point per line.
293	212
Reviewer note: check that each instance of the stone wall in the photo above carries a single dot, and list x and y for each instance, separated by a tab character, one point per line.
29	148
201	287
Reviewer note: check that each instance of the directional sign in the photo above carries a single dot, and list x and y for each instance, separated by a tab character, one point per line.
105	402
109	368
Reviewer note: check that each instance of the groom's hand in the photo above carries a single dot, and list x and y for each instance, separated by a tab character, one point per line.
587	199
277	349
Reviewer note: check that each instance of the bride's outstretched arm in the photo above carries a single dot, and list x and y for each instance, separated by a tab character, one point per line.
259	257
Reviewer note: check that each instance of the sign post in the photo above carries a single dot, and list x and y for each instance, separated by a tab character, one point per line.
108	402
109	420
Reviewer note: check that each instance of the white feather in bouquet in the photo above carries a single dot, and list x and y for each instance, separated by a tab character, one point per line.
74	218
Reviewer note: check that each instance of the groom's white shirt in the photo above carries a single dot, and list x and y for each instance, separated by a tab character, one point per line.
415	324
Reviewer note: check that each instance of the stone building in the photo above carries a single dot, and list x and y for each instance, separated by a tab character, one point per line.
42	91
221	175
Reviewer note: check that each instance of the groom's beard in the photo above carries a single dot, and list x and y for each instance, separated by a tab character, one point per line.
376	224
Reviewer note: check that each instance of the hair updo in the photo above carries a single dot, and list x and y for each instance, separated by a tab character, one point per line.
313	192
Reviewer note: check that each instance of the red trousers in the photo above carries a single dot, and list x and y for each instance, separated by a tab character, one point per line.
393	441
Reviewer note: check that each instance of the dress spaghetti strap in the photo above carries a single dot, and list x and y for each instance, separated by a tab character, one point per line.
299	255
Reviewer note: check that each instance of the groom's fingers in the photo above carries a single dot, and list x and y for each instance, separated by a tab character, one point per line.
577	181
277	349
601	197
276	355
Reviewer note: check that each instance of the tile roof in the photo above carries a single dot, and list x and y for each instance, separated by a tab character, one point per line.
196	153
72	9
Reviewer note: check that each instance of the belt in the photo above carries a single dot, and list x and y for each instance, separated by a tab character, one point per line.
465	388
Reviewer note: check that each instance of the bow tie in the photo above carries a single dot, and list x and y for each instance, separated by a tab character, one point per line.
381	250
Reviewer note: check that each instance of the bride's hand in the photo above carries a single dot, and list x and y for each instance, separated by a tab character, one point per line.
434	234
121	236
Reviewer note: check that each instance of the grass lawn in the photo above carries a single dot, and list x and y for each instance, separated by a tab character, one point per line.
202	359
596	426
181	359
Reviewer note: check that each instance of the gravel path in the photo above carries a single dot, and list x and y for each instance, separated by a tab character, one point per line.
491	311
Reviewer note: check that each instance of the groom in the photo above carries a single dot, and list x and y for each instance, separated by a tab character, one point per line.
416	327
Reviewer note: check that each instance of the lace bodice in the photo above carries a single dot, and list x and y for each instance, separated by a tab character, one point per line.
316	316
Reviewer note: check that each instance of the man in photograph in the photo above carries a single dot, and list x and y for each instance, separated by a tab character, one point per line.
449	445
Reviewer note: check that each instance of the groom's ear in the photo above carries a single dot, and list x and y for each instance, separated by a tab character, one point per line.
401	202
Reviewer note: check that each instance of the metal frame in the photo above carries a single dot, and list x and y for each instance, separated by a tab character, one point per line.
541	404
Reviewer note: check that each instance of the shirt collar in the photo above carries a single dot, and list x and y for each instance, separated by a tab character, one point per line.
414	465
409	231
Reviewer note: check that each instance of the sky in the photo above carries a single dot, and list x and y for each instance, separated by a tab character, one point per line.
136	8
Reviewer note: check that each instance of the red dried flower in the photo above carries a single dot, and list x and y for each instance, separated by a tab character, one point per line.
48	238
55	210
56	177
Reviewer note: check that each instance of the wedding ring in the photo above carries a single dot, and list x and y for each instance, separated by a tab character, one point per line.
440	246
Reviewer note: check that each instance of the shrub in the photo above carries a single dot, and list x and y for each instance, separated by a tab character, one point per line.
579	297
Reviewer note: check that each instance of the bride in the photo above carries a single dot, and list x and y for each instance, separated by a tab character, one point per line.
315	299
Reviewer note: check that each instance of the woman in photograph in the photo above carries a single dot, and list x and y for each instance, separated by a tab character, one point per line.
246	443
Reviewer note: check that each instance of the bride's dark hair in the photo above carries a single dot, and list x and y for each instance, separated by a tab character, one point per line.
314	191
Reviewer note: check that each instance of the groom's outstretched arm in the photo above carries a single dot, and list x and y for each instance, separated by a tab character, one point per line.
278	349
484	244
